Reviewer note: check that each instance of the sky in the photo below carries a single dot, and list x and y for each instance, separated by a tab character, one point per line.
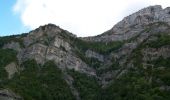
81	17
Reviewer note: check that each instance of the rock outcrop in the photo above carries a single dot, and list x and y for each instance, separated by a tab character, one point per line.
154	53
131	25
49	43
13	45
92	54
11	69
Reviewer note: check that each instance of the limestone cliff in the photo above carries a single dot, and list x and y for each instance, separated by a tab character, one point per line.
128	62
133	24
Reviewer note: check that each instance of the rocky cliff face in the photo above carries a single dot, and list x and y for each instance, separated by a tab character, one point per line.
49	43
132	57
131	25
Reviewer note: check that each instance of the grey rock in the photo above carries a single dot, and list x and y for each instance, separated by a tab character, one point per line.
13	45
165	88
42	33
50	42
36	51
7	94
126	49
11	69
92	54
56	48
61	43
70	81
68	60
133	24
153	53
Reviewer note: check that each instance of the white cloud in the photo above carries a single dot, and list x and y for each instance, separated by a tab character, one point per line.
82	17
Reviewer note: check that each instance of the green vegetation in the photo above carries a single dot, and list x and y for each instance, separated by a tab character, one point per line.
87	86
161	62
143	82
14	38
6	56
95	63
100	47
92	62
66	36
161	41
164	73
105	69
134	86
46	82
37	82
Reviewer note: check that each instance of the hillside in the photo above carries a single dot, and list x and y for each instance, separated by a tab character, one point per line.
128	62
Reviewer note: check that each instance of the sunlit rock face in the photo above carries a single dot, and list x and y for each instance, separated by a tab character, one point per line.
49	43
134	23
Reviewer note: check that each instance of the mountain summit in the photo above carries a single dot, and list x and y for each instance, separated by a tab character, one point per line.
132	24
128	62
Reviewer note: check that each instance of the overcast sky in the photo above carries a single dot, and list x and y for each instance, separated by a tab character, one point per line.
81	17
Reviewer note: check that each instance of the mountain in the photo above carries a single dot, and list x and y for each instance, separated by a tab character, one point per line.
128	62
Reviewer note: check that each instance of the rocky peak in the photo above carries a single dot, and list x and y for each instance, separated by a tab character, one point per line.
50	42
49	29
145	16
46	32
131	25
142	17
